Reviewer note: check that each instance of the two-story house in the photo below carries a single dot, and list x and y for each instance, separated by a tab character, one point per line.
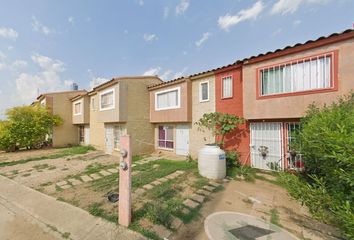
60	103
279	86
117	107
81	117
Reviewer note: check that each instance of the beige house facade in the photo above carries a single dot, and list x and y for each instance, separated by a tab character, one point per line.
119	107
81	117
175	107
60	103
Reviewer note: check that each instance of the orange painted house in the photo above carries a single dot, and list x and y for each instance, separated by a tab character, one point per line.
272	92
229	99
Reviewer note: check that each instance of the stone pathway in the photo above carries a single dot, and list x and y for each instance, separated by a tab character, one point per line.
138	192
86	178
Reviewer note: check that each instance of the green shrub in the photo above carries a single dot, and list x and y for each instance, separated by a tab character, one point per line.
326	141
157	214
26	127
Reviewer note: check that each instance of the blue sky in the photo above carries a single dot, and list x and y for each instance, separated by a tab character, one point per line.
47	45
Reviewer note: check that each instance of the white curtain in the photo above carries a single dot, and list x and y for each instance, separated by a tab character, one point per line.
227	87
298	76
168	99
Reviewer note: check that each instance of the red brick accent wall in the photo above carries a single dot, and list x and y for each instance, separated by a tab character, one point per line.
238	140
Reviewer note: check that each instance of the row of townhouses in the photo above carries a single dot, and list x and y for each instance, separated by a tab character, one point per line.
270	91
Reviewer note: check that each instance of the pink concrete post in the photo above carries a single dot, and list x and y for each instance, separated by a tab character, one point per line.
125	182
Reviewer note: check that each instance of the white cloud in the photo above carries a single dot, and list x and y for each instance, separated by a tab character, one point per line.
48	79
8	33
39	27
227	21
166	75
68	83
166	12
184	52
18	64
182	7
152	71
296	23
71	20
141	2
3	66
149	37
10	48
204	38
290	6
95	81
180	73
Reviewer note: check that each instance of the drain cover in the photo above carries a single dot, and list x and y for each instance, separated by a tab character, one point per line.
250	232
113	197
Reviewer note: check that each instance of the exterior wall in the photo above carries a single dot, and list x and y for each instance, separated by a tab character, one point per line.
131	109
156	136
239	139
84	117
97	134
138	116
66	133
119	112
295	105
181	114
198	138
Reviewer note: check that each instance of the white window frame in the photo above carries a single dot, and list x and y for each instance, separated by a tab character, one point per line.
166	91
222	87
201	92
165	140
81	107
112	90
293	66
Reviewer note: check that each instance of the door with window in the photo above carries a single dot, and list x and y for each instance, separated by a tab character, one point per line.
109	139
165	137
266	145
182	140
81	134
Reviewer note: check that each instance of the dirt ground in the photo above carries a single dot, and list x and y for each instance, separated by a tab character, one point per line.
15	156
33	174
266	196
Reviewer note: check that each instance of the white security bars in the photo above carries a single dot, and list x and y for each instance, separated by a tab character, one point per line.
301	75
227	87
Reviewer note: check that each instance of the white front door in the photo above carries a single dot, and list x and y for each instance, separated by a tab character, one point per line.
266	136
182	140
87	135
109	139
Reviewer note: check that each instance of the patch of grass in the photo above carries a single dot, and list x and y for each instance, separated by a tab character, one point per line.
193	214
106	183
149	174
96	210
200	182
136	158
219	188
52	167
14	172
65	235
145	232
247	172
66	152
46	184
164	191
157	214
274	217
41	166
58	189
75	202
26	175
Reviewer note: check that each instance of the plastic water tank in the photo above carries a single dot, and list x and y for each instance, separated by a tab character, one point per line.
212	162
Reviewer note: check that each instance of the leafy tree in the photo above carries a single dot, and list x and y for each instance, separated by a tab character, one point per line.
26	127
220	124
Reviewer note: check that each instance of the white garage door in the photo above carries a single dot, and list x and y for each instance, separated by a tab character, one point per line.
266	136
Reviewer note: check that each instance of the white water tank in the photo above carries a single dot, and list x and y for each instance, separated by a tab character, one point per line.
212	162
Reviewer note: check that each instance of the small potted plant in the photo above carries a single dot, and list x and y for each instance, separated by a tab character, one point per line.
263	151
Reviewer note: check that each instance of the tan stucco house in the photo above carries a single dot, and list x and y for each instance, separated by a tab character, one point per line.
81	117
175	107
59	103
120	106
